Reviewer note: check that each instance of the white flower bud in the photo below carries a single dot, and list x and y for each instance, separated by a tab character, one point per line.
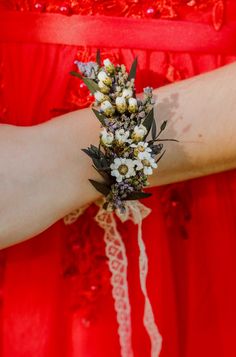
106	137
139	132
107	62
103	77
127	93
107	108
103	88
100	97
133	105
120	101
121	104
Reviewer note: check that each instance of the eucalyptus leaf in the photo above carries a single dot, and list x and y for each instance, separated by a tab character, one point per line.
100	187
100	116
76	74
163	125
89	152
98	57
133	69
137	195
148	121
92	86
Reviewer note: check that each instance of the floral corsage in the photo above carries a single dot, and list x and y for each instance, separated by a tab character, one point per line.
125	157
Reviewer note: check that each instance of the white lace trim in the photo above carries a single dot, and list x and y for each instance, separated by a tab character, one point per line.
117	260
73	216
136	211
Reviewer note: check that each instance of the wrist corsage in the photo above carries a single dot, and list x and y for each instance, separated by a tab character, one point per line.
125	157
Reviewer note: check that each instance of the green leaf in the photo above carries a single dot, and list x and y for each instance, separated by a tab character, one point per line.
98	57
103	173
92	86
137	195
133	69
163	125
100	116
154	129
148	121
100	187
159	158
76	74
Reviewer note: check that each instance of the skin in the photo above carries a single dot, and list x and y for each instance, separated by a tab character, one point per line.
44	174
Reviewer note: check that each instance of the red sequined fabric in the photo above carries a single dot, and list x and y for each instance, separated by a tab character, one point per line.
165	9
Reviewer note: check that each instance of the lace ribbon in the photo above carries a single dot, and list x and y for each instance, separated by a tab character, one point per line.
118	264
116	254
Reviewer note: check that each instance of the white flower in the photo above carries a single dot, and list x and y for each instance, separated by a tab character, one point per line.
140	148
107	62
103	77
127	93
139	132
106	137
121	135
133	105
103	88
121	104
120	101
146	163
123	168
99	96
110	68
107	108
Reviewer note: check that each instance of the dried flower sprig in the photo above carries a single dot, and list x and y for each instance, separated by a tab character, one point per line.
124	156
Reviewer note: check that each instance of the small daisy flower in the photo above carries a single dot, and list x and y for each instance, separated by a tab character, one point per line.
107	108
139	132
106	137
133	105
121	135
146	163
140	148
123	168
121	104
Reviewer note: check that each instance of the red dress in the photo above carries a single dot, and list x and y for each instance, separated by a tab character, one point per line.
55	288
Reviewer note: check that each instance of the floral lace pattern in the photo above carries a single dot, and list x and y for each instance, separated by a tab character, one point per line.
165	9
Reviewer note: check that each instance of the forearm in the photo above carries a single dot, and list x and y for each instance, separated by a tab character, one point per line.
201	114
44	174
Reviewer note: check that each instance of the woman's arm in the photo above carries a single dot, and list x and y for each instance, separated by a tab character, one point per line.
44	174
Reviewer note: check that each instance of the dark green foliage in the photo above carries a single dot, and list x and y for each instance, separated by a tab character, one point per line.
148	121
100	187
133	69
100	116
98	57
137	195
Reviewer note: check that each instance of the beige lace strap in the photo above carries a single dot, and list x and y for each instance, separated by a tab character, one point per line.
73	216
115	251
136	211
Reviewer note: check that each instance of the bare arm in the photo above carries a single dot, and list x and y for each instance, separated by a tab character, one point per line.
44	174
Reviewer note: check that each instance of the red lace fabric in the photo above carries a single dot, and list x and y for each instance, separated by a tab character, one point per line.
165	9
